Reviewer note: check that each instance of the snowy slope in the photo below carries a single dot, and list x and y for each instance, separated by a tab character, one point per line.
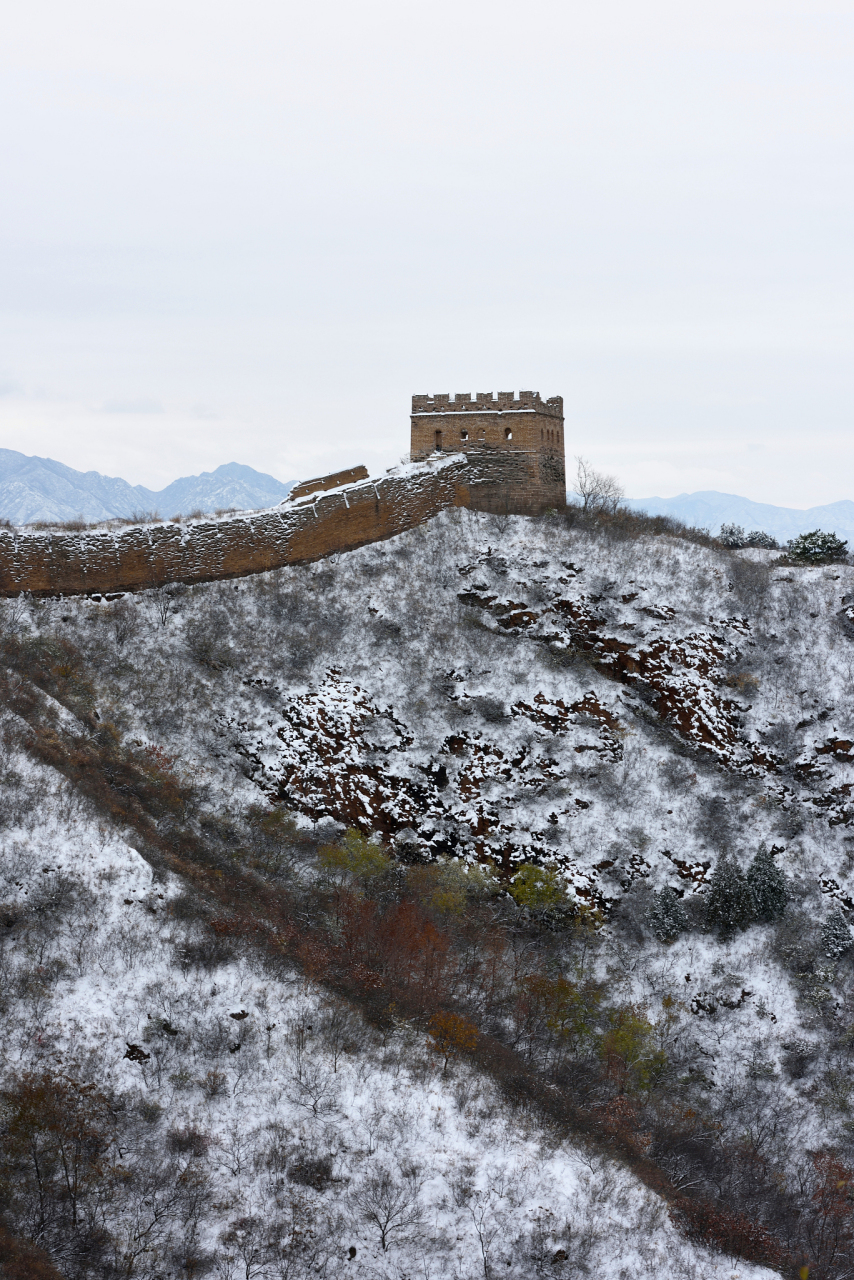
501	692
482	1187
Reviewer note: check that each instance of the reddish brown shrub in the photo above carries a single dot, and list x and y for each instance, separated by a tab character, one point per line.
451	1035
22	1260
729	1231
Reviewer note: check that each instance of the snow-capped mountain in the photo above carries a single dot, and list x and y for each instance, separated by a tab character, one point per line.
40	489
709	510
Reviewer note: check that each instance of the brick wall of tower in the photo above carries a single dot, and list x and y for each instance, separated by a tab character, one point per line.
527	427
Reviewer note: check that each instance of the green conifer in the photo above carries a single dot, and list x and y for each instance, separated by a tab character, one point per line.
729	903
817	547
667	916
835	935
769	886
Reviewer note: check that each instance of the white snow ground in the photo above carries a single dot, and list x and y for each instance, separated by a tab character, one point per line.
487	1188
471	683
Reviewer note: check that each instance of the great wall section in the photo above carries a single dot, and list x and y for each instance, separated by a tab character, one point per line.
484	464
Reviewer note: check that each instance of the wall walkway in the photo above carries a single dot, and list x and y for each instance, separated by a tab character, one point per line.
145	556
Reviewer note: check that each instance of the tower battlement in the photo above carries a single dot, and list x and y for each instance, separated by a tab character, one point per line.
484	402
522	436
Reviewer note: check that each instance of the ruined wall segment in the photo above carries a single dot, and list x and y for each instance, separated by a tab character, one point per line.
520	438
322	483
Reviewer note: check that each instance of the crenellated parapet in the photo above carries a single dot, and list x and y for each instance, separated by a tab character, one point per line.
485	402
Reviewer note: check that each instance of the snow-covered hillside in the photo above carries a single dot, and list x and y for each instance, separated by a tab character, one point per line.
546	725
262	1127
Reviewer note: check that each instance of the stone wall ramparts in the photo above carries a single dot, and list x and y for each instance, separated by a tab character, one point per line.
141	557
505	465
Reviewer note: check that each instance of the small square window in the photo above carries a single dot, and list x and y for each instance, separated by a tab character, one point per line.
464	435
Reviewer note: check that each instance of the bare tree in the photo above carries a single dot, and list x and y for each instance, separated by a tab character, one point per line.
246	1243
305	1240
310	1082
164	600
340	1032
389	1203
487	1227
597	491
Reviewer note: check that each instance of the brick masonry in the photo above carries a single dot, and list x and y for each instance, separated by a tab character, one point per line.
322	483
145	556
524	432
520	472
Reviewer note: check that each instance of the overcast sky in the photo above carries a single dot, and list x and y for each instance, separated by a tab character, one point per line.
251	231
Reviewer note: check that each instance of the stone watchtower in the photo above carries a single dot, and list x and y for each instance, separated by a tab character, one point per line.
516	444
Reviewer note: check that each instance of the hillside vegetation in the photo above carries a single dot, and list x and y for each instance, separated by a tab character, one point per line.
472	904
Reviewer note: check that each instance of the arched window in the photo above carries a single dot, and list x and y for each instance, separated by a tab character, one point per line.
508	434
438	439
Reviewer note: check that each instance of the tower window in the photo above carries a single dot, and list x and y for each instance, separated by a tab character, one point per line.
438	439
464	435
508	434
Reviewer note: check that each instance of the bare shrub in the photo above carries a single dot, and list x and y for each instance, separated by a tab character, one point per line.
187	1141
214	1083
598	492
311	1171
123	620
207	952
305	1240
390	1203
750	580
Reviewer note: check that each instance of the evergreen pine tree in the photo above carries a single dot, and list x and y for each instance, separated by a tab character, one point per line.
729	903
835	935
667	917
759	538
817	547
768	884
731	535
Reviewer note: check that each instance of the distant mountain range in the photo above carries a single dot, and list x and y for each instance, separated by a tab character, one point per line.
39	489
709	510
